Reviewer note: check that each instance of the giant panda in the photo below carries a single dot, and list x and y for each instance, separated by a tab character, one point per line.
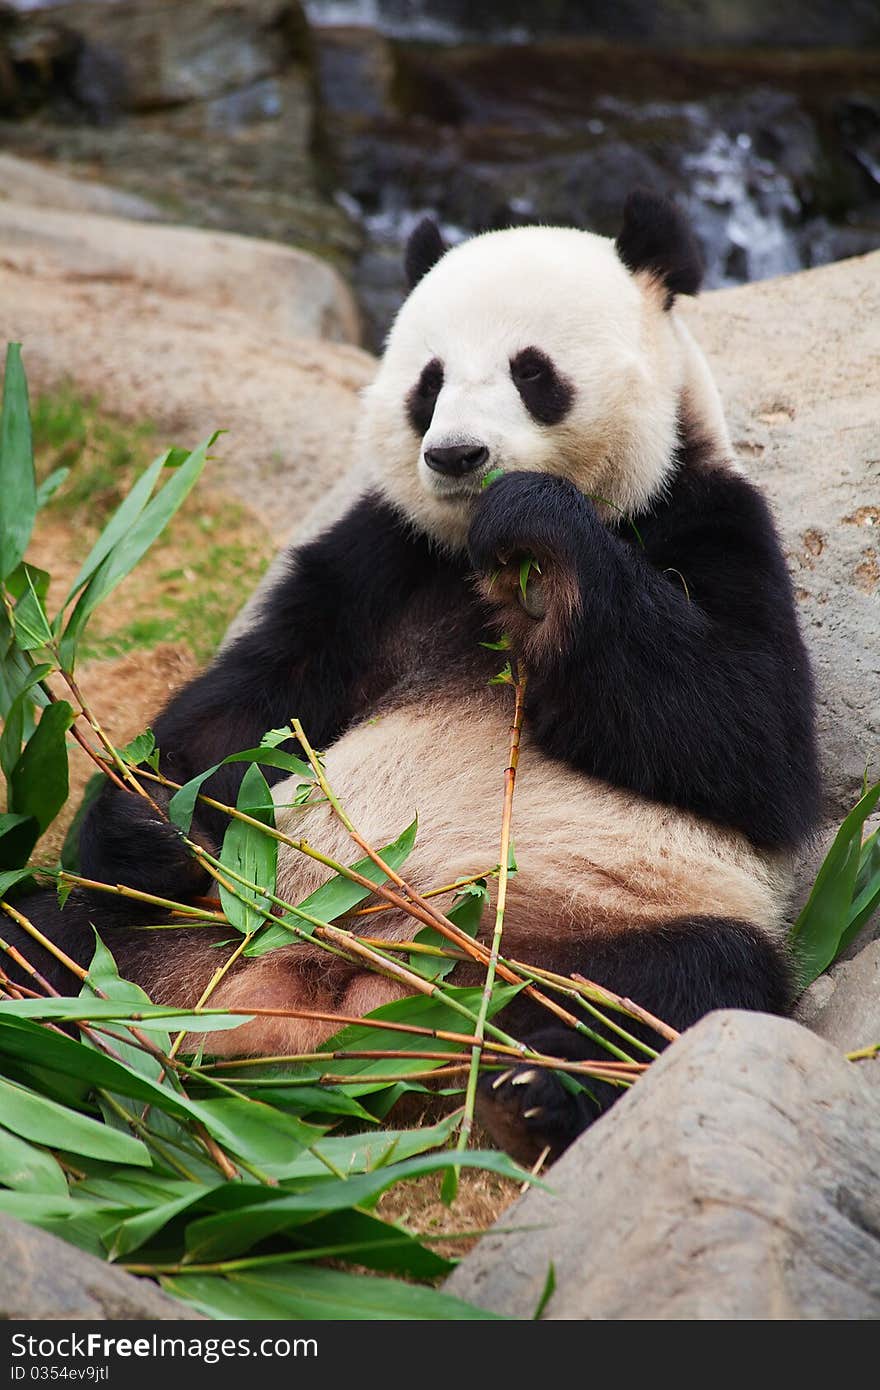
668	764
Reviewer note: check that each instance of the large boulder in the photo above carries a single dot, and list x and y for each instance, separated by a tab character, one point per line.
737	1180
798	363
45	1279
195	331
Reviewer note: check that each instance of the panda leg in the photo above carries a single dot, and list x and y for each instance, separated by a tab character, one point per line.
679	970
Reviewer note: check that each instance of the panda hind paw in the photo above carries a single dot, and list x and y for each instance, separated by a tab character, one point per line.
529	1112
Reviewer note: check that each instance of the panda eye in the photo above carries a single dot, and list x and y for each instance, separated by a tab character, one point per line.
546	394
430	382
529	366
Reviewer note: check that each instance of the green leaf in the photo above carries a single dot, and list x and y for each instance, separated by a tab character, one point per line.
125	552
32	630
363	1153
122	520
491	477
49	486
502	645
9	878
18	486
547	1292
504	677
140	749
259	1133
229	1232
134	1231
28	1169
14	724
182	804
149	1017
301	1291
18	835
338	895
251	853
38	785
466	912
45	1122
821	924
866	892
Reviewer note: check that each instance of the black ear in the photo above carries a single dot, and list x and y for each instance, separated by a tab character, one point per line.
656	237
423	250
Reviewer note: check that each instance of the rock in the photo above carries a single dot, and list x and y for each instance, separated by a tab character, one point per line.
175	51
288	292
43	1278
843	1006
24	181
737	1180
798	363
195	331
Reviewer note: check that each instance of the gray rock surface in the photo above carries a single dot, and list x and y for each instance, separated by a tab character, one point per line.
25	181
195	331
738	1180
843	1006
798	363
45	1279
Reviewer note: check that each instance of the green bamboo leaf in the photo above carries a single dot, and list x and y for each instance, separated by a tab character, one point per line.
29	1169
9	878
363	1153
229	1232
13	732
302	1291
131	546
364	1239
18	835
140	750
866	892
38	785
182	804
258	1133
151	1017
122	520
49	486
466	912
18	486
825	917
338	895
32	630
250	853
136	1230
45	1122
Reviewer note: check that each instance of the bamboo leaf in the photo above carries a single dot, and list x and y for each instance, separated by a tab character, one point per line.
29	1169
466	912
250	853
825	917
18	487
302	1291
181	807
45	1122
338	895
129	547
18	835
38	785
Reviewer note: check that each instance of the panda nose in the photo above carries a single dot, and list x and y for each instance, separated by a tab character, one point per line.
457	459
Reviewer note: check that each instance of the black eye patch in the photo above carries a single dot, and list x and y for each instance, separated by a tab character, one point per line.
423	397
545	393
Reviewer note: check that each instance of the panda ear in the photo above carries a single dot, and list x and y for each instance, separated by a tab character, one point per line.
657	238
423	250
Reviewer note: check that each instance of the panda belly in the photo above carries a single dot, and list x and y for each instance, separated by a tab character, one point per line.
591	858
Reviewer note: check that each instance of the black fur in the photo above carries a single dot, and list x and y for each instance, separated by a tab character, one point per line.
313	652
684	677
681	676
656	237
422	398
678	970
423	250
544	391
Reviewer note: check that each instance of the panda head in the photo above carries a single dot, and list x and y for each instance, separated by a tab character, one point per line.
537	348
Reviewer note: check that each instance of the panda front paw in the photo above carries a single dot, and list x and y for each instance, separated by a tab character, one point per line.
527	540
529	1112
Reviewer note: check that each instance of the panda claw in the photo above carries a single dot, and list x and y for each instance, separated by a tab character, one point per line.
500	1080
523	1078
535	1110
